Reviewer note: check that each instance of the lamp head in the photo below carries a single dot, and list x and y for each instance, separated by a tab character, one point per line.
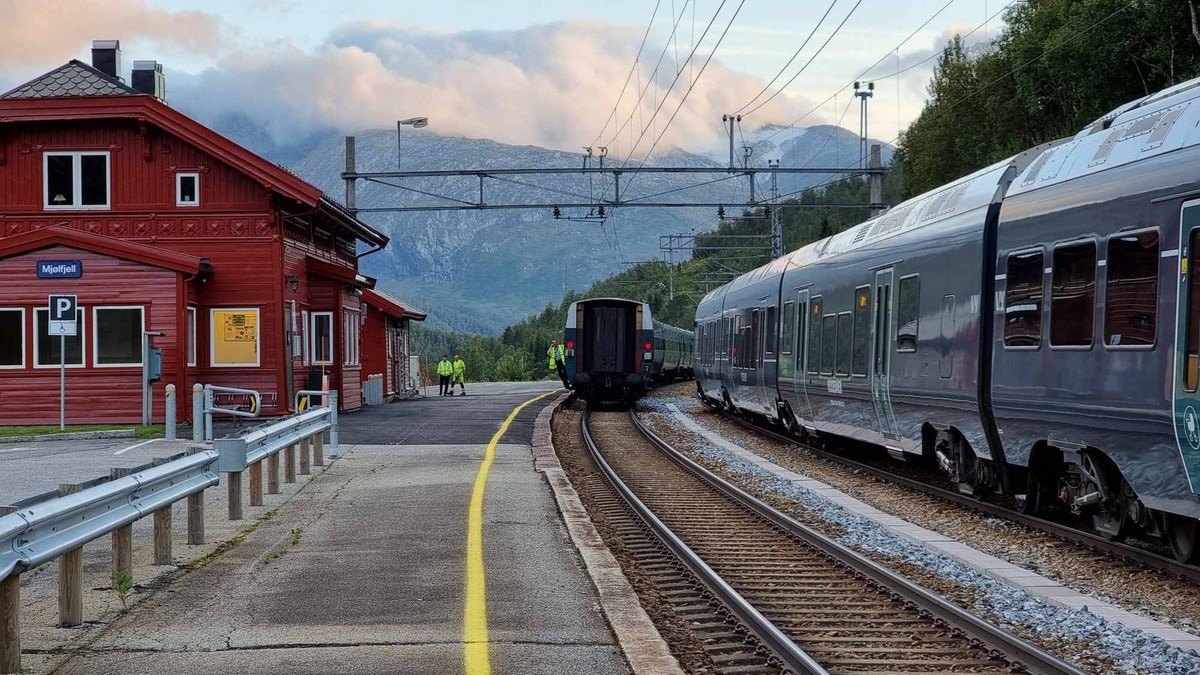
416	122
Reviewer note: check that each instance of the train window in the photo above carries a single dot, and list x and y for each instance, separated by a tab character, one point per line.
1073	295
828	342
1023	300
908	312
753	353
772	331
862	329
1131	292
814	336
789	327
1191	366
843	343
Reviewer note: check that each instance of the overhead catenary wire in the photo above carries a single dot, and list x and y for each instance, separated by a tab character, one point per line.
636	62
795	54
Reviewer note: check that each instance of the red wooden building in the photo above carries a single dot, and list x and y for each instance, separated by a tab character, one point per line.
249	273
387	322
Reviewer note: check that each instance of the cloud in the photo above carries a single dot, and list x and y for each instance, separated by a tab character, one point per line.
551	85
48	31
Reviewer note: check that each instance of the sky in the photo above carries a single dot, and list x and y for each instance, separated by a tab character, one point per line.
537	72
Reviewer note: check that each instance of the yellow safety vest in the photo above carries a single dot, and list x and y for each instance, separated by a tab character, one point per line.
445	368
560	354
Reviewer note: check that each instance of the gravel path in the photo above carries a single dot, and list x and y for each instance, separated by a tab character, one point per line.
1098	646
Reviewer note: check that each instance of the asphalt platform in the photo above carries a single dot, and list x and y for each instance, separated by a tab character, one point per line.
365	570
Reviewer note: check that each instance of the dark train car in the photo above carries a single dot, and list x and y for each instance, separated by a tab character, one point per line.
609	345
674	349
1033	328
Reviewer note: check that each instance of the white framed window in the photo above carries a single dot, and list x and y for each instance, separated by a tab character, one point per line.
187	189
305	346
117	336
321	349
233	337
46	347
191	336
12	338
350	323
76	181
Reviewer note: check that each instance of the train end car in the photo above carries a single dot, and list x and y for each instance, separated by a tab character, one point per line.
609	349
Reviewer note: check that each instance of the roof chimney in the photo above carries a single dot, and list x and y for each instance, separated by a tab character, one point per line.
106	57
148	79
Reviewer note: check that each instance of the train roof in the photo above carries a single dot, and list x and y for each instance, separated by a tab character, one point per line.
1147	127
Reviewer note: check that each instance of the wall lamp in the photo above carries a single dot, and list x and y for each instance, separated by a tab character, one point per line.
293	282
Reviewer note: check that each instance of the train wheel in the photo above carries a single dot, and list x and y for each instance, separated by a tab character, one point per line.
1183	534
1110	518
1036	499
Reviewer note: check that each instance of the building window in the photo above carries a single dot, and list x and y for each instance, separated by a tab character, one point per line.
1023	300
12	338
1073	295
46	347
117	336
187	189
191	336
350	337
233	337
828	343
862	329
1131	292
76	180
908	313
321	349
843	345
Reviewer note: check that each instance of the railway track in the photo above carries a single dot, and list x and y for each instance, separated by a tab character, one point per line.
806	603
1122	550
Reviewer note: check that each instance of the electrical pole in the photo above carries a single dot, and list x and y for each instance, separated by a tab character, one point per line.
730	119
776	225
875	180
863	95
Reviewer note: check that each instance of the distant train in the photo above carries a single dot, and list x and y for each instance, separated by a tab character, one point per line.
1031	329
615	350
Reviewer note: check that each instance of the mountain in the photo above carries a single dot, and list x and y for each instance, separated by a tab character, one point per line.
480	270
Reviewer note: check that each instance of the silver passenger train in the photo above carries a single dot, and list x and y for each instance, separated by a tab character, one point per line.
1031	329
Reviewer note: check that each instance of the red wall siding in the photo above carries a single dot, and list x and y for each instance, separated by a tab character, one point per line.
30	395
374	347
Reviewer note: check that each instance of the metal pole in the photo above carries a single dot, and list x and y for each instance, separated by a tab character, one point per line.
876	179
197	413
170	412
776	224
335	450
146	405
397	145
208	415
351	197
62	382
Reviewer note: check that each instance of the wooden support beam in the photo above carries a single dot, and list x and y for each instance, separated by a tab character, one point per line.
319	449
273	474
10	624
289	464
256	484
70	577
234	482
196	518
122	539
305	468
162	528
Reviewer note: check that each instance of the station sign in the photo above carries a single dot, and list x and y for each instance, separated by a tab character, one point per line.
59	269
63	313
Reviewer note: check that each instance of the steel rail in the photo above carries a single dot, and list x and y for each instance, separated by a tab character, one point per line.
789	655
1031	656
1129	552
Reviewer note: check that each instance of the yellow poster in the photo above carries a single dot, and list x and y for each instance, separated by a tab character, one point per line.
235	337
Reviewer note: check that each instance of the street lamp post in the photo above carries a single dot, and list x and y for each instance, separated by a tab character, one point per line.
414	122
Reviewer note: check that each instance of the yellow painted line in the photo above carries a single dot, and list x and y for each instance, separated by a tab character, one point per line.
475	624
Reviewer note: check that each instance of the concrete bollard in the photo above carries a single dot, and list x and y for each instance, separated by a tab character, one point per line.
335	450
198	413
289	464
70	577
170	412
305	468
122	540
256	484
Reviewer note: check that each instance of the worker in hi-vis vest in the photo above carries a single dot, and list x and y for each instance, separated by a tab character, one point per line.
460	375
558	361
445	370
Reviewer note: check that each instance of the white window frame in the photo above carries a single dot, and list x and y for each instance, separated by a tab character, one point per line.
24	363
96	309
193	328
305	329
77	181
312	333
350	338
81	330
179	189
212	338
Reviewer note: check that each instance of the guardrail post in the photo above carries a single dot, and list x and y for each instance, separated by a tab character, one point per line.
335	450
273	474
198	413
256	484
195	513
10	624
234	479
162	527
122	539
305	467
70	577
319	449
289	464
170	412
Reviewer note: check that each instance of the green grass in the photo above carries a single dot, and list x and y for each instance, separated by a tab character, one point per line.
153	431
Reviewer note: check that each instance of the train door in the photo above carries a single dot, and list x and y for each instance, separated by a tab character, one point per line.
881	358
804	407
761	356
1187	345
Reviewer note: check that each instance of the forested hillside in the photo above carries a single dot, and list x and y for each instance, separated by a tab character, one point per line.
1057	66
